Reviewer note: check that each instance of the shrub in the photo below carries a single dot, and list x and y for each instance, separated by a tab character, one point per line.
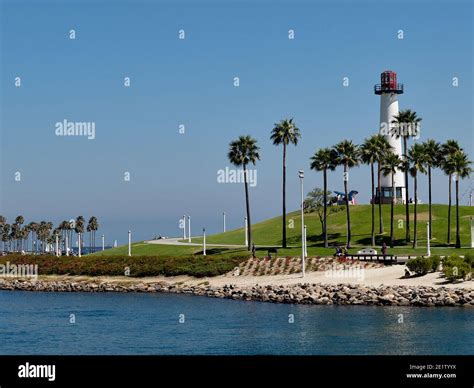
469	260
435	260
420	265
140	266
456	269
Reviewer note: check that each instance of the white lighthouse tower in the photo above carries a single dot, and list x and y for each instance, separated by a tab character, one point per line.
388	90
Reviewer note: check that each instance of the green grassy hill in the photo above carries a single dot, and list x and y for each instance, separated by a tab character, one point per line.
268	233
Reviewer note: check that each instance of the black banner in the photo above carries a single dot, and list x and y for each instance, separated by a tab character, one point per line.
223	371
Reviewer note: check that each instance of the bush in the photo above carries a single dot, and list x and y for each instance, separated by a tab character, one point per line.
140	266
469	259
435	260
456	269
420	265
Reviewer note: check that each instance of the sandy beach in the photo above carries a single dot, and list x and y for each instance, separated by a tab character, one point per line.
387	276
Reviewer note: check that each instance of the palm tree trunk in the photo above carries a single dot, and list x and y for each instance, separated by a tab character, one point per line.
449	210
373	203
325	207
247	205
380	198
284	197
407	205
415	239
429	201
348	213
458	237
391	209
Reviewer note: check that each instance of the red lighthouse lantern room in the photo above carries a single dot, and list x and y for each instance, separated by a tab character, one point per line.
388	83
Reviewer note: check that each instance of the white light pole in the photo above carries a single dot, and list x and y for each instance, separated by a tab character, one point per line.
184	227
57	245
130	243
103	242
428	250
223	220
79	244
189	229
246	232
204	241
303	245
472	233
67	245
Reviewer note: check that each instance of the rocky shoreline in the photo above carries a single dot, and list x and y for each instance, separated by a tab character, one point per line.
321	294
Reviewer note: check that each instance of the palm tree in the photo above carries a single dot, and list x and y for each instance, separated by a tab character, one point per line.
447	150
94	225
371	151
323	160
392	163
6	236
406	126
416	159
347	155
34	230
462	169
3	221
243	151
285	132
79	229
432	158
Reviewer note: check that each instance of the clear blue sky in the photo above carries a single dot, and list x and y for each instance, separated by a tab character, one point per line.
191	82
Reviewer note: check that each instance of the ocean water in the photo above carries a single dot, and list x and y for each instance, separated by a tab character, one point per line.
167	324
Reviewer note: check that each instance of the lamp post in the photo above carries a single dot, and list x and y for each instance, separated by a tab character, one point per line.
79	244
223	221
303	245
103	242
472	233
57	245
428	250
204	241
130	243
189	229
246	232
184	227
67	245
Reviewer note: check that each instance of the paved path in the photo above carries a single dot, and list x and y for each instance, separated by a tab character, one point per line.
175	241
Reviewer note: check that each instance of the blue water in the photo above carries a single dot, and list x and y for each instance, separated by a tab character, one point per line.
107	323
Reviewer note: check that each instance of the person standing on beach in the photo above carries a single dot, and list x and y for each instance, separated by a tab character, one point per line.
384	249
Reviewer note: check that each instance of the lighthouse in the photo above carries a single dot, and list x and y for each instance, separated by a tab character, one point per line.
388	90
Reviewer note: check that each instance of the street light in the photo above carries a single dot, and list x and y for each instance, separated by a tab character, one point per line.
303	244
204	241
246	232
57	245
428	239
189	229
79	244
103	242
223	220
184	227
130	243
